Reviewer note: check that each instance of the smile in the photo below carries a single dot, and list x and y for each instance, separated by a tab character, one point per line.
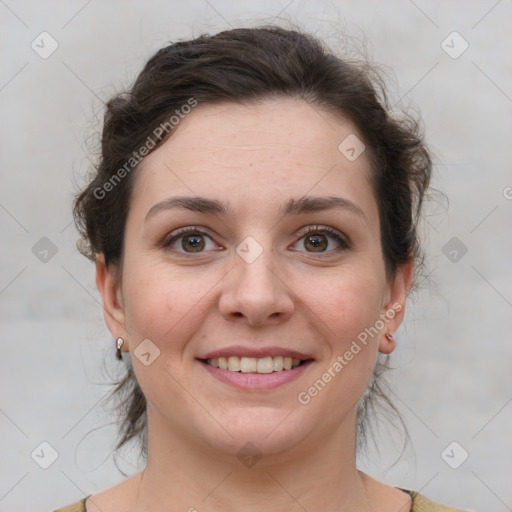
266	364
255	373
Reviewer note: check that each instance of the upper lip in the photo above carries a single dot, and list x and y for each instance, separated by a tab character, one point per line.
241	351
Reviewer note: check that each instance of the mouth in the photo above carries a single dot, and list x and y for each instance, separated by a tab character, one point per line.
257	365
255	368
255	373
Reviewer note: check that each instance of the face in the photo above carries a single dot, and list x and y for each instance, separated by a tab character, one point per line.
252	240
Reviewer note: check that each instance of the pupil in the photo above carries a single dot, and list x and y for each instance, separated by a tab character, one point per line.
194	242
316	241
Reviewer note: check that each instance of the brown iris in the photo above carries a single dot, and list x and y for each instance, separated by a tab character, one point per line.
196	243
317	242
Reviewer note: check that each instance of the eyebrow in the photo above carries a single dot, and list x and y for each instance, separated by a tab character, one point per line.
306	204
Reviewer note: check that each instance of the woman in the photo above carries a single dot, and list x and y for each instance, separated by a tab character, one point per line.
253	222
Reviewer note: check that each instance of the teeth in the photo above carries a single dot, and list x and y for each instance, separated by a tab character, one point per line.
248	364
278	363
253	364
234	364
265	365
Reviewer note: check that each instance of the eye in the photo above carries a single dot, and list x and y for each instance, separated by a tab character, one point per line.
317	239
193	240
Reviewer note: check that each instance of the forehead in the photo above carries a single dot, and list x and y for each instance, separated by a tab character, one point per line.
269	148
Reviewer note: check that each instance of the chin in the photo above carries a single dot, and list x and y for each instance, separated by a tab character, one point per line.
260	431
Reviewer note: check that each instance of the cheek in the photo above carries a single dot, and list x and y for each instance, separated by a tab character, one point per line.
345	305
345	309
164	307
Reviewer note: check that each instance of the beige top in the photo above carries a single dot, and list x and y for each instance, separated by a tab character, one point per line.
420	504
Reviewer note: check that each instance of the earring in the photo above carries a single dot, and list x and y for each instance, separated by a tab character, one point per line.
119	344
389	337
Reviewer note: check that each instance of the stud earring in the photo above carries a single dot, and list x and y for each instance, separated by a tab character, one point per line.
119	344
389	337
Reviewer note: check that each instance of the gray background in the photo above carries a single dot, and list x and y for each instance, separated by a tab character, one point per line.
453	360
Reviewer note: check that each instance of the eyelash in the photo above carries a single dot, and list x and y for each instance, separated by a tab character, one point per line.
317	230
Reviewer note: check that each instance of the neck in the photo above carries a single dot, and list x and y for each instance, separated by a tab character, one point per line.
194	478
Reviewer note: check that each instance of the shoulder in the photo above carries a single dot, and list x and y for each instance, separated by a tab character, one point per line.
117	497
79	506
423	504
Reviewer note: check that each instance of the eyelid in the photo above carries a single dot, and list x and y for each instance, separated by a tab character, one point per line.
318	228
181	232
186	230
342	239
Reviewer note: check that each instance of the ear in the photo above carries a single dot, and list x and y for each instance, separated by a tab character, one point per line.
110	291
394	310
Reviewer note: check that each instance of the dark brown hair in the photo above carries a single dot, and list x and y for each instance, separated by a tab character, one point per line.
245	65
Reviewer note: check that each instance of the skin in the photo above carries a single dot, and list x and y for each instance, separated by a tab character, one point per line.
256	157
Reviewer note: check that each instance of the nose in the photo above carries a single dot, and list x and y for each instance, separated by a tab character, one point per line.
256	291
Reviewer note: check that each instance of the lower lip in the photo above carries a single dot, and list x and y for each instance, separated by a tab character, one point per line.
256	380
